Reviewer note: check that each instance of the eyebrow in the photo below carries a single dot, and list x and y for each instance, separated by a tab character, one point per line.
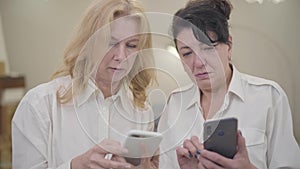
130	40
184	47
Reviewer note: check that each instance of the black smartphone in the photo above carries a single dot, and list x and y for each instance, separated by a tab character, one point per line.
220	136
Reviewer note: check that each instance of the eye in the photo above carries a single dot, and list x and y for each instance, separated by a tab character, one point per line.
187	53
131	45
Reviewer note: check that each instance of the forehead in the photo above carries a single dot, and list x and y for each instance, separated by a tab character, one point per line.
124	27
186	38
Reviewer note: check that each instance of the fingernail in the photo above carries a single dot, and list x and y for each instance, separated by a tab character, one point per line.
240	132
128	166
190	154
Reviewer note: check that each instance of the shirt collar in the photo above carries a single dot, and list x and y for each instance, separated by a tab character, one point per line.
195	99
189	91
236	86
92	89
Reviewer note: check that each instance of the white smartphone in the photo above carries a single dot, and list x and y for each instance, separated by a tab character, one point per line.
141	144
220	136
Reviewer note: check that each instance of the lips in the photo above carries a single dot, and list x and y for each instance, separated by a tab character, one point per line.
116	68
202	75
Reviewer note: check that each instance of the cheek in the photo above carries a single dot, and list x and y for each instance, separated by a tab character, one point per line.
105	60
130	60
221	60
187	65
131	52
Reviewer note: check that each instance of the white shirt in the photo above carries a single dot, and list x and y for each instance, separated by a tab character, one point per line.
264	118
47	134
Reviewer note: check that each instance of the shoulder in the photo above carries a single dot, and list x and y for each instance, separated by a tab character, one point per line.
46	90
36	106
258	84
183	96
38	102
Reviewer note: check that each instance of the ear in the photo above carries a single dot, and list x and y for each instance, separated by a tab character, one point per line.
229	47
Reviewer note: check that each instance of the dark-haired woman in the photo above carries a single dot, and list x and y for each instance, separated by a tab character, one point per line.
219	90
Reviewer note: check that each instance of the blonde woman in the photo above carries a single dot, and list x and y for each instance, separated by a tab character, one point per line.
81	117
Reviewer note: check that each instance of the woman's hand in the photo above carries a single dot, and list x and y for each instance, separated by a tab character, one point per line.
187	155
148	163
209	159
95	157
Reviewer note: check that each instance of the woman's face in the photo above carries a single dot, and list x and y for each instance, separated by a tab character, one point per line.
208	65
123	47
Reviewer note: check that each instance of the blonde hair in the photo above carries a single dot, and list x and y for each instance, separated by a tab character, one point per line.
99	14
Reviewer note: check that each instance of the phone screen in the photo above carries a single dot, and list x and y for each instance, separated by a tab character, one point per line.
220	136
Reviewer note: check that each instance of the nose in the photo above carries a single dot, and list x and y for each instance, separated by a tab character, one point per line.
199	61
119	52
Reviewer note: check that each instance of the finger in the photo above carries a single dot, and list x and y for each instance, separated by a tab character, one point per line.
183	155
189	146
118	158
113	164
206	163
196	142
200	165
241	143
155	161
183	152
110	146
216	158
110	142
108	149
146	161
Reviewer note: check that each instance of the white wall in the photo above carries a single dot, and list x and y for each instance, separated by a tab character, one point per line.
3	55
265	38
266	44
36	32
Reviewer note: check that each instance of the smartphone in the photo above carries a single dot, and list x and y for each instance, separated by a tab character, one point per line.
220	136
141	144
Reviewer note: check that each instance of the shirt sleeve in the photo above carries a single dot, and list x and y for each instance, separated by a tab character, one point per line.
283	150
30	137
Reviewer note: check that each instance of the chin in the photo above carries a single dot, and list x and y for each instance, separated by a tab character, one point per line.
204	85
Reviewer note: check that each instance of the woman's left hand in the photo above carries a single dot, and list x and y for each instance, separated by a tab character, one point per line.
209	159
150	162
146	163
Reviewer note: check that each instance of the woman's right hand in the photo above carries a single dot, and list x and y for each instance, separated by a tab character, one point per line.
95	157
187	155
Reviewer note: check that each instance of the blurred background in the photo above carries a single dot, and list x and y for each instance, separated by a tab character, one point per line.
33	34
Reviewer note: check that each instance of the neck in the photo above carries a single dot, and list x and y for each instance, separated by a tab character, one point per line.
213	98
108	88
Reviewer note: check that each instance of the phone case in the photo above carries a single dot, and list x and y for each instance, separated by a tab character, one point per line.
141	144
220	136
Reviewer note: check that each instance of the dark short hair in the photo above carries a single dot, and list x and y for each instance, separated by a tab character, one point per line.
204	16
